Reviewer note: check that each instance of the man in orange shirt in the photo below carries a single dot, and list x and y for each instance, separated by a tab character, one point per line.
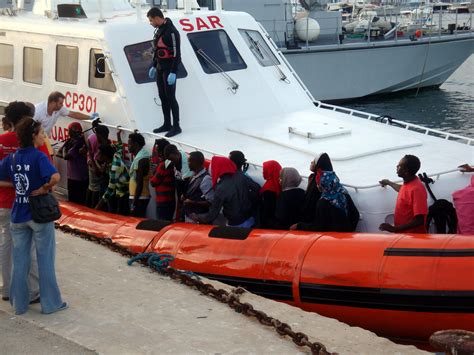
412	207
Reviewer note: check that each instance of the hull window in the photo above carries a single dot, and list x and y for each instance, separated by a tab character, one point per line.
259	48
140	58
219	49
33	65
6	61
100	76
67	63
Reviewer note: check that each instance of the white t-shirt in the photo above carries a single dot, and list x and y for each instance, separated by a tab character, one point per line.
47	121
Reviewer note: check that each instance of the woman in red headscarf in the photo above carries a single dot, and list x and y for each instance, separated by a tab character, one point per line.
74	151
269	193
231	195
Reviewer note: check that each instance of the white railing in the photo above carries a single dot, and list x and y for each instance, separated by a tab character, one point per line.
401	124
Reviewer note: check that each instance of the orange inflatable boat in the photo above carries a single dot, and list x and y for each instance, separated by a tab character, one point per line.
398	286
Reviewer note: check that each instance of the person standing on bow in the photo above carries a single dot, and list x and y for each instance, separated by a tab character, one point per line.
166	58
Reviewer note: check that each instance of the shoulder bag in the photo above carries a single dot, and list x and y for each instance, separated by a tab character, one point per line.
44	208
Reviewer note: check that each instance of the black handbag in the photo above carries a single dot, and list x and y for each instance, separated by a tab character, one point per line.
44	208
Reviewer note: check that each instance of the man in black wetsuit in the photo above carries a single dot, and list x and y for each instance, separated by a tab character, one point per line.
166	58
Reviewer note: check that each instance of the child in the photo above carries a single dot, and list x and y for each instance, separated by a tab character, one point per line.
75	153
6	125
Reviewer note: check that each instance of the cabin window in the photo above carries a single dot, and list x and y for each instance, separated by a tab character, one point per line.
67	64
259	48
100	76
33	65
140	57
6	61
216	52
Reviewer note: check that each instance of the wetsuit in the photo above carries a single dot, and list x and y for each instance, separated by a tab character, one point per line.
166	58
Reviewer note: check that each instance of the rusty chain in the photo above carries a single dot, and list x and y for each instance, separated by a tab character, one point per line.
232	298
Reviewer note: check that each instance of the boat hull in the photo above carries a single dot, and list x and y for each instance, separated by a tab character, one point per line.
399	286
347	72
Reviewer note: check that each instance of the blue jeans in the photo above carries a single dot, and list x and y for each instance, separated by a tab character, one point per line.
43	236
6	258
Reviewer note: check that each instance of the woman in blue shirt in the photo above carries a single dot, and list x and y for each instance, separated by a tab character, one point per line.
32	174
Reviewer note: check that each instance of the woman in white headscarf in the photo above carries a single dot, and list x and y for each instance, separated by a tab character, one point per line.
290	201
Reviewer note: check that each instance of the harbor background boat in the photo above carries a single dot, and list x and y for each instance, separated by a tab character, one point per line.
449	108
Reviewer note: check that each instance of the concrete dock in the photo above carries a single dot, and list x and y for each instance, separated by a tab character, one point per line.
117	309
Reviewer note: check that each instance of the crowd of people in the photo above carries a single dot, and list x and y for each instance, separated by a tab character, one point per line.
191	189
187	187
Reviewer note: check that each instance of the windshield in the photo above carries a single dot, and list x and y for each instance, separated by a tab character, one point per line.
259	48
216	52
139	58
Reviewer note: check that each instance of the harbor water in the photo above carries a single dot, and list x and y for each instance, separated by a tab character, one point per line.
449	108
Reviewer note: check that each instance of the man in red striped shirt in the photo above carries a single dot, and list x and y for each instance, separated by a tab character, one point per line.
164	183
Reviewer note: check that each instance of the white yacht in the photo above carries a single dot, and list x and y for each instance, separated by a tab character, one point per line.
236	91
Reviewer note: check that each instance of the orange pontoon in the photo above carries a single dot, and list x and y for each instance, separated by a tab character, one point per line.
399	286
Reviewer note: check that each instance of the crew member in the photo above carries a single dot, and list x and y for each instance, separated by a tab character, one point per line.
166	58
48	112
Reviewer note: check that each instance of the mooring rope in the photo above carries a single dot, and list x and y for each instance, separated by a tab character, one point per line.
161	263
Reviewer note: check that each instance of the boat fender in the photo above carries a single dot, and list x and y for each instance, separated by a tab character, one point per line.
237	233
153	225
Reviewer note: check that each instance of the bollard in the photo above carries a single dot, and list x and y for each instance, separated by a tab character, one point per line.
453	342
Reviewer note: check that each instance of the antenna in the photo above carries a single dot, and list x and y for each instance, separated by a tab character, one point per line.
101	11
138	8
20	4
188	7
218	5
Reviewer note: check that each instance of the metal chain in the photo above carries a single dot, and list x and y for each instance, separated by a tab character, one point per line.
232	298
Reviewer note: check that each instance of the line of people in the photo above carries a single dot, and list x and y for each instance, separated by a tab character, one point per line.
188	189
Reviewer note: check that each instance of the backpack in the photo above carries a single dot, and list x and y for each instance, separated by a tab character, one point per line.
441	214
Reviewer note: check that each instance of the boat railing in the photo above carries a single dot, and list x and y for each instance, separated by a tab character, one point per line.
394	122
257	167
421	25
